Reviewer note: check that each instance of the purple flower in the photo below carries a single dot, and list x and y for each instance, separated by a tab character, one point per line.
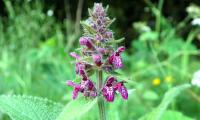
122	90
86	87
77	88
115	59
89	89
99	22
109	93
94	26
83	74
97	59
111	87
111	80
99	10
101	50
86	42
120	49
108	90
80	67
101	30
109	34
98	37
74	55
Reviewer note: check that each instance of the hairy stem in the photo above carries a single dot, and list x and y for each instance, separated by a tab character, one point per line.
102	115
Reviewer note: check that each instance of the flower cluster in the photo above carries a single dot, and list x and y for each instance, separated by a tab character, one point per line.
98	54
111	86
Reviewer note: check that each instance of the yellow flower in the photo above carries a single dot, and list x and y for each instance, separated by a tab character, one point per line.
168	79
156	81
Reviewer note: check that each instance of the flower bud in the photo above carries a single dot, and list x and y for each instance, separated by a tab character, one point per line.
120	49
116	61
98	37
87	42
110	80
70	83
101	30
94	26
74	55
99	22
97	59
77	88
109	34
101	50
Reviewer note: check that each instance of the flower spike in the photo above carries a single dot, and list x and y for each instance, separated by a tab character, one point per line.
97	54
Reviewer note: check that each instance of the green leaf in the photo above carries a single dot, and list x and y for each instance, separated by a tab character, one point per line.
141	27
169	96
150	95
106	9
110	22
149	36
90	11
193	11
29	108
76	108
174	115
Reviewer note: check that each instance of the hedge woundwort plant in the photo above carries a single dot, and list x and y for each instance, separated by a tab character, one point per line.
98	55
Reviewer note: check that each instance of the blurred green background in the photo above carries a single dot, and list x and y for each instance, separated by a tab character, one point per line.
163	50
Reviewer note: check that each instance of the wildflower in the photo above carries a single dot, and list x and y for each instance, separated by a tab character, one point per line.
110	88
74	55
97	54
156	81
109	34
115	59
122	90
99	37
168	79
97	59
196	79
77	88
80	68
86	87
87	42
102	50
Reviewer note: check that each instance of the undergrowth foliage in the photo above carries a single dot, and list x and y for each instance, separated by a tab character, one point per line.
33	62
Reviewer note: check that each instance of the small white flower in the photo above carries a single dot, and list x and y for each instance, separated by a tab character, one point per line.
50	12
196	79
196	21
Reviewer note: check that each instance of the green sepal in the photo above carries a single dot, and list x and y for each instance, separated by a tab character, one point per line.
106	9
116	41
110	22
90	12
87	28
